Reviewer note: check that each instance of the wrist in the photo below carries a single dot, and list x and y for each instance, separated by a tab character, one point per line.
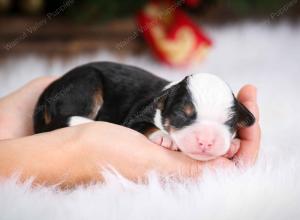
50	158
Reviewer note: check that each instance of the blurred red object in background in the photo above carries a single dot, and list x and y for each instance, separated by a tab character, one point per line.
173	37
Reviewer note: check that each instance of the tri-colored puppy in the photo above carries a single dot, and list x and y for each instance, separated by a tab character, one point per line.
198	115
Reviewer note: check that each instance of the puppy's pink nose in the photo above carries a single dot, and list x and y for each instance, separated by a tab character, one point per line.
205	144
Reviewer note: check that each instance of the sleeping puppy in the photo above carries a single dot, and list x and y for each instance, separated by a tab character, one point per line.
198	115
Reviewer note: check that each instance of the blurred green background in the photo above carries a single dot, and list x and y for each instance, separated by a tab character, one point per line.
103	10
71	27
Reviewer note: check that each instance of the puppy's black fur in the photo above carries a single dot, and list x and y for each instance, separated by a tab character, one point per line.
126	91
123	95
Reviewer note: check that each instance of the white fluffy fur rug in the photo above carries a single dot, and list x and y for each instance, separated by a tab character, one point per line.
267	57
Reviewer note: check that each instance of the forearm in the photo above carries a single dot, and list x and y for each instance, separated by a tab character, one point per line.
50	158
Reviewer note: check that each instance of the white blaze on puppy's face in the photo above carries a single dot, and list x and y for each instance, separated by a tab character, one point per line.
211	96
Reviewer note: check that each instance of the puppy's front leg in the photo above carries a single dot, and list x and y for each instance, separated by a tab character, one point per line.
160	138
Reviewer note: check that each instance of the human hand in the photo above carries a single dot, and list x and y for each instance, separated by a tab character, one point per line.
16	109
85	149
134	155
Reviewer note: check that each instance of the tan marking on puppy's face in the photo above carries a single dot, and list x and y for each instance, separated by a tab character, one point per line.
160	104
189	110
97	103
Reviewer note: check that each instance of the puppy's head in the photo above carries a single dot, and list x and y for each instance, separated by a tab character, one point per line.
201	114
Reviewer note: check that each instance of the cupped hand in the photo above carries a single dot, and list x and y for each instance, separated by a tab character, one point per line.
100	144
132	154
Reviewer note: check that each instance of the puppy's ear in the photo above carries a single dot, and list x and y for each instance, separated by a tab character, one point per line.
166	97
244	117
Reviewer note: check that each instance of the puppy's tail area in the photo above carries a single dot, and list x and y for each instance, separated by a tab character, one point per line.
78	120
42	124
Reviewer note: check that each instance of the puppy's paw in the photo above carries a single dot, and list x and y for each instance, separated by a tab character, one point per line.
163	139
234	147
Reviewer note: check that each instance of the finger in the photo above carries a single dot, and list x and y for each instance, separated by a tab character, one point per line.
247	93
250	136
249	149
195	168
235	146
220	163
